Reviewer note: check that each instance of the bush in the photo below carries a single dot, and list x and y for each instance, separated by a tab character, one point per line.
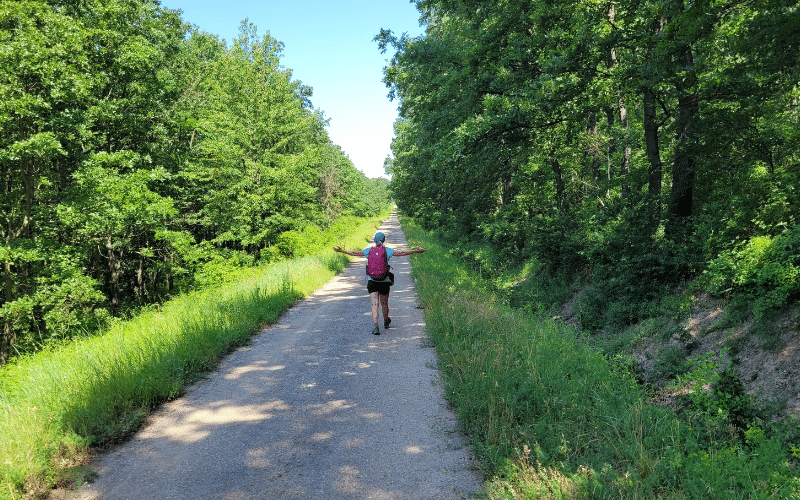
671	362
765	270
61	308
221	270
506	233
293	243
632	275
558	240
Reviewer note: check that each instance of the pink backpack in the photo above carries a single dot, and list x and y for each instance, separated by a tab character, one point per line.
377	263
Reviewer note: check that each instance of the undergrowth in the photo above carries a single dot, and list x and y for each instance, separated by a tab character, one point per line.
551	415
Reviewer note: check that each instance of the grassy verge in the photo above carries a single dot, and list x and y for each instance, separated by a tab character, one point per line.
550	417
56	404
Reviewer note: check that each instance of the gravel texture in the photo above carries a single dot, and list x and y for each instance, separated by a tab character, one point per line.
316	408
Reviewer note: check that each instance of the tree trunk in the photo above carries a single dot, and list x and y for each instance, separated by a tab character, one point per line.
655	172
612	141
113	266
559	180
506	195
611	148
329	187
141	287
624	165
30	195
682	193
594	149
8	333
19	229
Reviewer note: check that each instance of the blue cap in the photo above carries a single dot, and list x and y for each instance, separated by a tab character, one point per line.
379	237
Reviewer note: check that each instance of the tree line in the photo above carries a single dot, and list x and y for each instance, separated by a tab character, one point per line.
629	145
137	150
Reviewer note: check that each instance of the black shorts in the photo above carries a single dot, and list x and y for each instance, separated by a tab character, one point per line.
382	287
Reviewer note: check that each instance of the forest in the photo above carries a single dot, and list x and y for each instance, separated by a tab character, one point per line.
626	173
622	149
141	157
624	159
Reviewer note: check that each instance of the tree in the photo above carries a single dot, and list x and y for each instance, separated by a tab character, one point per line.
44	85
133	149
500	129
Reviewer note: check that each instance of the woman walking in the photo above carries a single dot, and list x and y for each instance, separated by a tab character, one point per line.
379	280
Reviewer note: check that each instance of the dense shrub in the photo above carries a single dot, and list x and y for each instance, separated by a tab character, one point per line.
558	240
633	269
766	270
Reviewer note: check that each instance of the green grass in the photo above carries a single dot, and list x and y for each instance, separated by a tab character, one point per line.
58	403
550	416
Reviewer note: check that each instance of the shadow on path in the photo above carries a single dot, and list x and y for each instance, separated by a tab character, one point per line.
316	407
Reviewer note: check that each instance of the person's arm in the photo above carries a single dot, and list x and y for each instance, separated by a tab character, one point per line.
401	253
354	253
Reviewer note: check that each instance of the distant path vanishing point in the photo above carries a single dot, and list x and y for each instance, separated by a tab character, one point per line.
315	408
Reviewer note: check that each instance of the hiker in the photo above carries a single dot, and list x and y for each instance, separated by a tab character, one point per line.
381	279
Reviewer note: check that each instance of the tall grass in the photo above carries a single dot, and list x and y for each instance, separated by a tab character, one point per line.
550	417
57	403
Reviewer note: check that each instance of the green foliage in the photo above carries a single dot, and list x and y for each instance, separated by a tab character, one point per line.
633	270
541	291
622	146
671	362
222	270
551	416
514	380
558	241
294	243
726	403
141	158
725	444
766	270
758	468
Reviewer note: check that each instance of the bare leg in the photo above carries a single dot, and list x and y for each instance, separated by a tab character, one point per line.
384	300
374	298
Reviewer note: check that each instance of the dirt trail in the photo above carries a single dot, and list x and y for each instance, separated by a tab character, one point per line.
315	408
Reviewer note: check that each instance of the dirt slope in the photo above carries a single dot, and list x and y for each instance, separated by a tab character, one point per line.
768	368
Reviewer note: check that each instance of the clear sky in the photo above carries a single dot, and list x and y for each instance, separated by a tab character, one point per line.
328	45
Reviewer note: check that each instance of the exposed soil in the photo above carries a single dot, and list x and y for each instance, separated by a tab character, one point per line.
768	366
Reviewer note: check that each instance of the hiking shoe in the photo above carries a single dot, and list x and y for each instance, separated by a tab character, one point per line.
386	322
376	330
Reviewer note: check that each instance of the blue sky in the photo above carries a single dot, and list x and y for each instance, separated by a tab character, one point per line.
328	45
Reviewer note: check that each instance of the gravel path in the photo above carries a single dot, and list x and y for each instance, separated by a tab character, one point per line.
316	408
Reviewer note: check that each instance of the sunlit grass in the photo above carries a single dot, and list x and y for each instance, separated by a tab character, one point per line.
57	403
